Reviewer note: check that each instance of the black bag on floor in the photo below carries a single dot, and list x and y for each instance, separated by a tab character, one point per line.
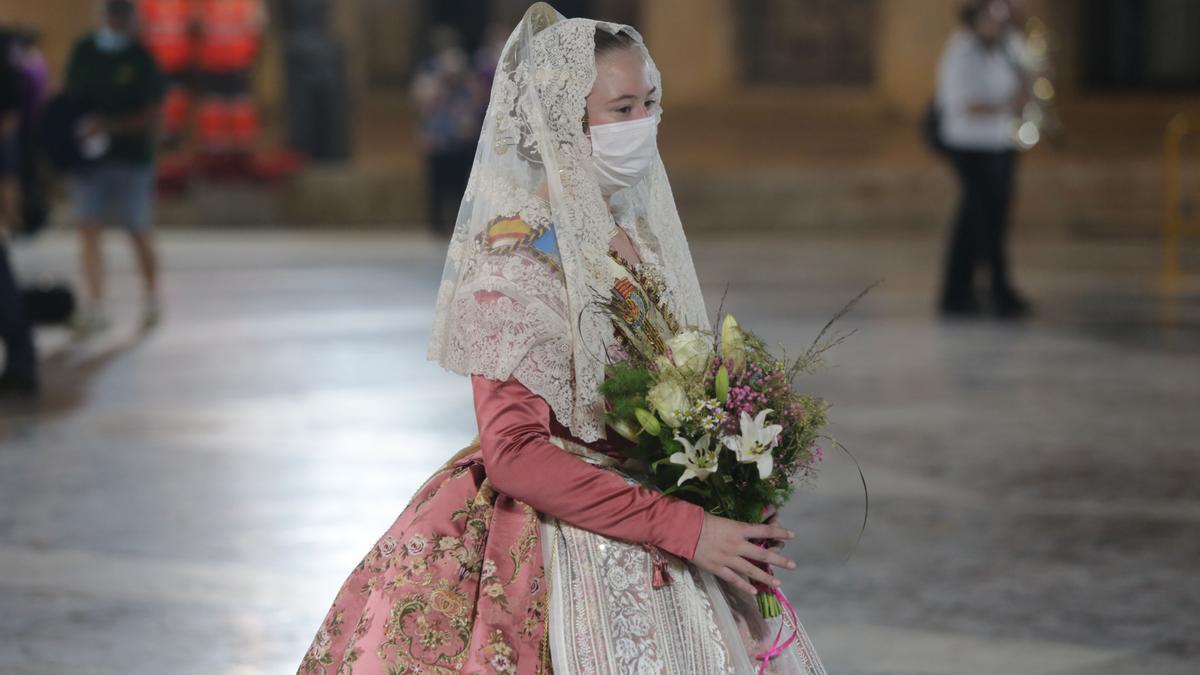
49	304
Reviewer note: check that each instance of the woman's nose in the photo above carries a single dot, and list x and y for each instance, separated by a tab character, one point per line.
639	111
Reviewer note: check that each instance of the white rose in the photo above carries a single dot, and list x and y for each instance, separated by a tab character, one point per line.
670	401
691	352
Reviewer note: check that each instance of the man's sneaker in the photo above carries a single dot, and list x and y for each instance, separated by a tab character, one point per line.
151	315
90	321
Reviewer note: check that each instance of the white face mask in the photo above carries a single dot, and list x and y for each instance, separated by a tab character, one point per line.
109	40
623	152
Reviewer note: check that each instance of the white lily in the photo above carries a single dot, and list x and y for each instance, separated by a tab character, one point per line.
700	459
756	441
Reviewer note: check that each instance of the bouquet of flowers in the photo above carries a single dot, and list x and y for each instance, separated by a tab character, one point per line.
716	419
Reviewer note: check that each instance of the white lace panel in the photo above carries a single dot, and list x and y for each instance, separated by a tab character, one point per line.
533	163
606	618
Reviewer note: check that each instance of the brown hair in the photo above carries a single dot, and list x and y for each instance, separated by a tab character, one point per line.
609	42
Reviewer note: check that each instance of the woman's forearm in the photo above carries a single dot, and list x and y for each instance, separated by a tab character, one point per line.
514	429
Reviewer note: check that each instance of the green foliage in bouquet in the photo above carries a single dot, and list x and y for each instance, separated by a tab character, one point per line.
715	419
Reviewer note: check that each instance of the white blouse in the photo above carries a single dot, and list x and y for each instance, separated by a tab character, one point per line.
970	73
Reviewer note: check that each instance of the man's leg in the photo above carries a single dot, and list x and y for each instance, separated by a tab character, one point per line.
958	286
91	260
147	259
138	216
1002	171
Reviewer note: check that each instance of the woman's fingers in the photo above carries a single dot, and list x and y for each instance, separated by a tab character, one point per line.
736	580
755	573
772	519
766	532
754	552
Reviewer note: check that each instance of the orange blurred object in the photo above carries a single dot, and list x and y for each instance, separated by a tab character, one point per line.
175	109
243	123
215	124
168	32
231	32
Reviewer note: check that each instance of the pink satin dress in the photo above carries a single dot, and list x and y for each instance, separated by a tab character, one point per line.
457	584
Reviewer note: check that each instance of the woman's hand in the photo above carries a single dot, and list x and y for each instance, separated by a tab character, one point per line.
725	549
770	517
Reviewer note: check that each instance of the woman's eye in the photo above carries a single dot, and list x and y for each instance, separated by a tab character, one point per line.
625	110
650	104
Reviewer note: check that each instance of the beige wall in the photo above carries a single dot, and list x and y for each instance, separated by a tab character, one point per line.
692	43
911	34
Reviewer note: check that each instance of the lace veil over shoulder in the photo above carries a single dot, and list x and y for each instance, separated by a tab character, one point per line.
528	256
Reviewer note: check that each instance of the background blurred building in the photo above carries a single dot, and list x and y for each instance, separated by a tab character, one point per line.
803	106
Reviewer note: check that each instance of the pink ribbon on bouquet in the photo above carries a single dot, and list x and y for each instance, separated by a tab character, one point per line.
776	648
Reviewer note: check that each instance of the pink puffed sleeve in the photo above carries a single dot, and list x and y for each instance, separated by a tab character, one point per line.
521	462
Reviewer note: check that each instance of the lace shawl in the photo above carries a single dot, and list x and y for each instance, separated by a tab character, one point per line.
528	255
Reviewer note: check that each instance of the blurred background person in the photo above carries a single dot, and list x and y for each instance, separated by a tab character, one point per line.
981	90
19	376
487	56
117	78
450	102
34	78
231	33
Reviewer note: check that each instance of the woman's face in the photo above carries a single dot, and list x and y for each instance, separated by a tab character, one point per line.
992	21
622	91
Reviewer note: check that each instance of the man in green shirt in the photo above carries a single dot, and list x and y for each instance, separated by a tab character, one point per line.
117	79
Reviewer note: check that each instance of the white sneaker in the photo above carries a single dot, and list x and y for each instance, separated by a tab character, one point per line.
90	321
151	315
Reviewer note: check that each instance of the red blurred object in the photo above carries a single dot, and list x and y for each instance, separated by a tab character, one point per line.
168	31
175	110
214	125
275	167
174	174
243	123
231	34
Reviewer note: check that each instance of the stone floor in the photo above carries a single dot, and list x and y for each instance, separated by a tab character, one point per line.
188	501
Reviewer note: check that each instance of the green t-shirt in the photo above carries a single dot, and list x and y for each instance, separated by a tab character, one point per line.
116	84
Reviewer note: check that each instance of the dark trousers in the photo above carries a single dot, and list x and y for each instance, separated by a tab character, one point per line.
20	357
448	172
980	226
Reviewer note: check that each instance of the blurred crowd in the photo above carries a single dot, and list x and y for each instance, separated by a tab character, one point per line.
163	91
158	92
450	91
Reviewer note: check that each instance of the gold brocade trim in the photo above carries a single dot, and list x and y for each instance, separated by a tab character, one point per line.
548	573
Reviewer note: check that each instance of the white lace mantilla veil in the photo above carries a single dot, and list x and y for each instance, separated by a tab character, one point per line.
506	308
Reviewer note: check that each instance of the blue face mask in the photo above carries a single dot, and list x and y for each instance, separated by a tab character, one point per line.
109	40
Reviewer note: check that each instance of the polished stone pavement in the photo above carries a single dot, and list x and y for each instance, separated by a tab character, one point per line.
189	500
